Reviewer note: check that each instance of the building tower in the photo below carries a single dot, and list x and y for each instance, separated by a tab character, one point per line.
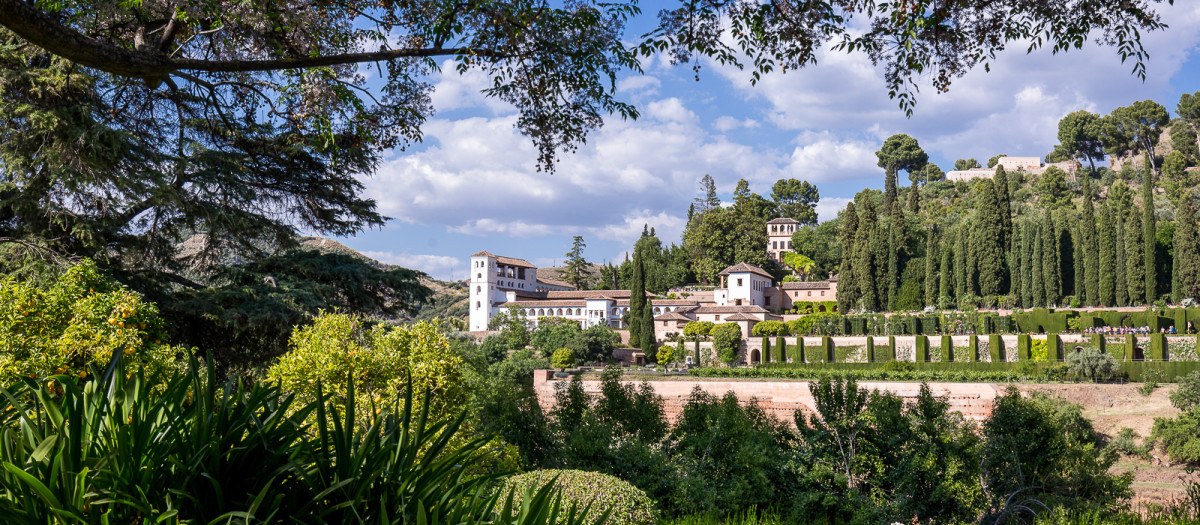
779	236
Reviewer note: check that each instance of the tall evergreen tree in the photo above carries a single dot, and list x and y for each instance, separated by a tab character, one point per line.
1039	281
1120	290
897	253
710	200
986	242
1090	247
914	199
646	327
1051	271
1078	276
1187	252
1135	266
848	290
1015	268
577	266
961	272
637	301
946	284
1108	256
1003	200
864	261
1149	238
931	260
1028	230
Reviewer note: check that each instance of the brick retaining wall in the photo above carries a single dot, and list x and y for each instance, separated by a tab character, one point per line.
783	398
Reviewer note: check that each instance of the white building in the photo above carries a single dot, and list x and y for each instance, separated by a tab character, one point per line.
779	236
1030	165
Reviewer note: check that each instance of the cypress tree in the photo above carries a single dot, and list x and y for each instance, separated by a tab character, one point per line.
1039	282
1003	200
1120	290
637	300
986	242
961	272
1135	272
914	199
946	286
1077	273
930	268
897	253
864	265
1050	267
889	191
1186	251
879	258
1014	265
1090	248
1149	234
848	291
647	328
1108	256
1028	230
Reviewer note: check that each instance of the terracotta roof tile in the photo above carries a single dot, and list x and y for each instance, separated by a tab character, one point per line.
746	268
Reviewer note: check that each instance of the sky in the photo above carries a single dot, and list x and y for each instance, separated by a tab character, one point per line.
472	183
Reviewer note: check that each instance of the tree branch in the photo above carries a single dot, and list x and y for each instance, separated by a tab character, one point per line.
41	29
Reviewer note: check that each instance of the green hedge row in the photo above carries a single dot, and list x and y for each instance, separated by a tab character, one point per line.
947	371
1037	320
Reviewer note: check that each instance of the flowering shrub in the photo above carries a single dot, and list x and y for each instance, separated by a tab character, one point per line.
379	358
630	506
77	324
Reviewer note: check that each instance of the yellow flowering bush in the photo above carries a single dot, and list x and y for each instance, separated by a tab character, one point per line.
379	358
76	324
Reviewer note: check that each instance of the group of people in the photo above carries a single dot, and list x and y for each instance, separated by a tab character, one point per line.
1135	330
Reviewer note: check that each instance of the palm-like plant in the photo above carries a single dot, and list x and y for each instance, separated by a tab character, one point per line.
186	450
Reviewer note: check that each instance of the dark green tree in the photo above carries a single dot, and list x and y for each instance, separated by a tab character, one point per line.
965	164
865	264
1187	252
1003	200
1038	291
1108	256
899	152
1028	231
946	284
637	301
1079	137
647	341
752	204
1051	271
931	262
1120	290
796	199
1149	236
987	243
1089	247
897	253
710	200
1052	188
1178	181
577	266
993	161
1135	129
1135	265
721	237
1185	131
848	290
962	268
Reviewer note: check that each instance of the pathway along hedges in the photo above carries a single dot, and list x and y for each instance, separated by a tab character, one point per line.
1036	320
946	371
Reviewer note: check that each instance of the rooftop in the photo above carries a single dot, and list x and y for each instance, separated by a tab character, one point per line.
505	260
746	268
783	220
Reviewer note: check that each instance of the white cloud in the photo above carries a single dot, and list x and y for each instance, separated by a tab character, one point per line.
829	207
465	91
727	123
640	84
438	266
824	158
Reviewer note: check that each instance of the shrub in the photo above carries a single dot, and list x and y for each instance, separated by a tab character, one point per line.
380	359
698	329
1038	350
76	324
563	358
1150	379
1187	396
1179	437
630	506
770	328
1092	364
1124	443
727	338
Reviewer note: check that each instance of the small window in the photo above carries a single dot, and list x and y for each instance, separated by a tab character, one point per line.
739	282
717	317
477	304
822	293
768	300
810	294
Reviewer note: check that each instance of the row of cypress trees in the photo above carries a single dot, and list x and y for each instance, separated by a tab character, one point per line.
1104	251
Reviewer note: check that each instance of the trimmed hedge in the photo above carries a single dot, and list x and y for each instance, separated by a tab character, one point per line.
996	348
922	349
630	506
1001	372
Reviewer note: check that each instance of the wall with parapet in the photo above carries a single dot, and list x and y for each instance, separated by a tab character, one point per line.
783	398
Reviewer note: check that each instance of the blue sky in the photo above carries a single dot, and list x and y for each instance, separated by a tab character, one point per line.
471	185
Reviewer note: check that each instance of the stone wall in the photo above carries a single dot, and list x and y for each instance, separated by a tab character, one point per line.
783	398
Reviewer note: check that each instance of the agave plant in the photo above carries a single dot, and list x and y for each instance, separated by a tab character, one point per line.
184	449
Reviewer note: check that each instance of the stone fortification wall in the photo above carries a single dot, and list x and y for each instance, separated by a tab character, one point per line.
783	398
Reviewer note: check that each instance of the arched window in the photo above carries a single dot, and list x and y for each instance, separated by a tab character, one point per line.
478	288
